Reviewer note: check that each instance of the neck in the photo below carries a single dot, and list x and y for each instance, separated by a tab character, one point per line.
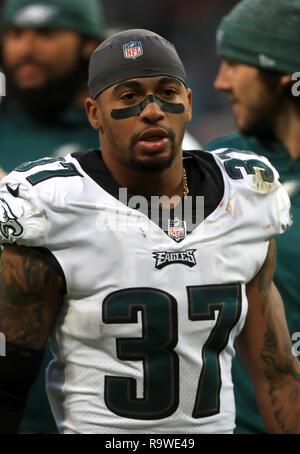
168	182
288	130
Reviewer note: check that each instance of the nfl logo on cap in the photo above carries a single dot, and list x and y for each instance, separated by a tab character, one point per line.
133	49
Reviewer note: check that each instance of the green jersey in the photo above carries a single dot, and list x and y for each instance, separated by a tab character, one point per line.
24	138
286	278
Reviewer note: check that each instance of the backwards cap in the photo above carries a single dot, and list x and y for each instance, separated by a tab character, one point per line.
82	16
263	33
130	54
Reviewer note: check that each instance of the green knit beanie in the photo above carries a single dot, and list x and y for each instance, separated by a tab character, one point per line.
263	33
82	16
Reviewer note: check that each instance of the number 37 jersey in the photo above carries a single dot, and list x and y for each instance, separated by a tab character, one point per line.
145	338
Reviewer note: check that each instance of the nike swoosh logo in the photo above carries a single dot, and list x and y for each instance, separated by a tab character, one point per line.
14	192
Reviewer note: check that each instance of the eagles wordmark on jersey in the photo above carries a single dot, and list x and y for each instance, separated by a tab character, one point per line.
145	338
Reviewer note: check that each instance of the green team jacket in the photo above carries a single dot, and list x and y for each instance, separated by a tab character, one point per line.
286	277
23	138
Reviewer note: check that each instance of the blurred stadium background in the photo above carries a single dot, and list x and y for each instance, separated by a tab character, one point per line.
191	26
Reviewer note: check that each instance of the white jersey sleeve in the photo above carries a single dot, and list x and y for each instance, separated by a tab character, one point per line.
255	191
25	204
22	219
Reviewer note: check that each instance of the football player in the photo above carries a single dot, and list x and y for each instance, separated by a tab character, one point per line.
143	316
258	43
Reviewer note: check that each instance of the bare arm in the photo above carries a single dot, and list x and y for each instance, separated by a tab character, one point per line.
31	294
266	350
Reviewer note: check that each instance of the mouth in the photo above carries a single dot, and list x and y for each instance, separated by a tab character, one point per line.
235	108
153	139
29	69
234	104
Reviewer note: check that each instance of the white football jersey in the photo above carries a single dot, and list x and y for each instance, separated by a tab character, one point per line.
145	338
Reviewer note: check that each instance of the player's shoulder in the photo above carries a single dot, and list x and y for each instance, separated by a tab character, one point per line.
244	167
45	169
44	177
27	191
251	179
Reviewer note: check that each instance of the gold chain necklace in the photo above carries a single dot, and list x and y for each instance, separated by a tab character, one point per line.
185	184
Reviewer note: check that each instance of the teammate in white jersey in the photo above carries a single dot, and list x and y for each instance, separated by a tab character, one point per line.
143	312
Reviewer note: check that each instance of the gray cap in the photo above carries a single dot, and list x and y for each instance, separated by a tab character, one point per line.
129	54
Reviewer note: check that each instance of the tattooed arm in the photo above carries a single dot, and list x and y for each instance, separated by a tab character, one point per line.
266	350
31	294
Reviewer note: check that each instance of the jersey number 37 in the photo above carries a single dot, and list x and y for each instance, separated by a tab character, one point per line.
156	348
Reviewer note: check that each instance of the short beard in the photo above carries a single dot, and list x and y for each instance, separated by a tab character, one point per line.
156	165
54	96
262	121
263	117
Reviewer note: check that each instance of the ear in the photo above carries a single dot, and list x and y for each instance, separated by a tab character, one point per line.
189	97
93	113
89	46
285	80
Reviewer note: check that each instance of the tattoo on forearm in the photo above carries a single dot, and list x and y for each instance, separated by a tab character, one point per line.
283	374
284	389
281	369
29	297
269	349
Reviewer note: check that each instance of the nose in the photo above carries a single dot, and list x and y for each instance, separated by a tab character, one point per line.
26	42
223	80
152	113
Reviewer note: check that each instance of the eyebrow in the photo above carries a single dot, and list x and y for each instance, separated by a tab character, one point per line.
127	84
169	80
137	85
